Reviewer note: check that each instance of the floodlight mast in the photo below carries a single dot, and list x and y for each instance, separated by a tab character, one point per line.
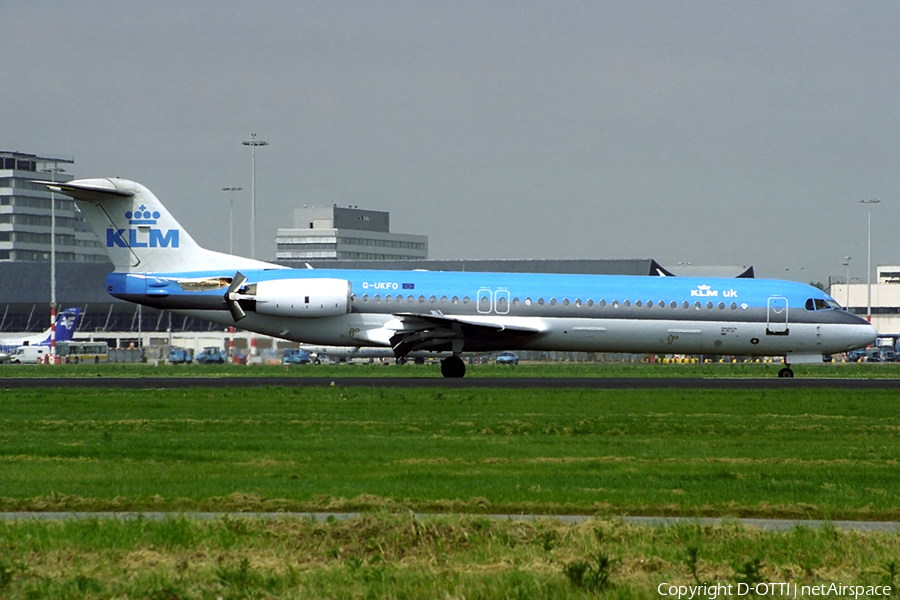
253	143
231	190
869	202
53	171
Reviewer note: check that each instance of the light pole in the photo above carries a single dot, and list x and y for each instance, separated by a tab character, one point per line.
253	143
847	264
869	202
231	190
53	171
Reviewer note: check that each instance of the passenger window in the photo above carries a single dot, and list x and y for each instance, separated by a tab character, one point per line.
465	299
540	301
734	306
454	300
709	305
502	306
387	298
377	298
638	304
565	302
365	297
578	302
443	299
721	306
432	299
602	303
627	303
615	304
527	301
685	304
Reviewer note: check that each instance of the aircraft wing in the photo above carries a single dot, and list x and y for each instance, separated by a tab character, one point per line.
435	331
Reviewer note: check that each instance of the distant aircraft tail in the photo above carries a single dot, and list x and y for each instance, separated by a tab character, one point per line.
139	234
66	321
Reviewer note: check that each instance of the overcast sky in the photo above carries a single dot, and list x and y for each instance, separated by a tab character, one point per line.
719	133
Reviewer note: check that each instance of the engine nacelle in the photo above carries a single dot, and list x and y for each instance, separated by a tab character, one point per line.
303	297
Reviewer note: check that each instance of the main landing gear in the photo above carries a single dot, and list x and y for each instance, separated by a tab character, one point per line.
453	366
786	373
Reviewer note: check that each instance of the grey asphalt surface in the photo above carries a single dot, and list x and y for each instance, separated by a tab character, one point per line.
764	524
609	383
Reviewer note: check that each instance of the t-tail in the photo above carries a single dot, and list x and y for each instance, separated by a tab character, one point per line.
139	234
66	322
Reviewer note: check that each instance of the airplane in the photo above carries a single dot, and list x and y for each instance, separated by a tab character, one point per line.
158	264
65	328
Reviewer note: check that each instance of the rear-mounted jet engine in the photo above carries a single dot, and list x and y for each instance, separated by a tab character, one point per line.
303	298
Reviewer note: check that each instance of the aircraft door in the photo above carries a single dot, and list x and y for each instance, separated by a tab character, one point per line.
485	301
777	316
501	302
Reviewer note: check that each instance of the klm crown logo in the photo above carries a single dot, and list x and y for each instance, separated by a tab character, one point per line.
142	216
143	236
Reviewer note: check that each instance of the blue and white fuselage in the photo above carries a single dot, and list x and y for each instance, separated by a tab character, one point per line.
456	311
589	313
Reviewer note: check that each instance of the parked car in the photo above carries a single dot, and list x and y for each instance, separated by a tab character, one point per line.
507	358
295	356
211	355
180	356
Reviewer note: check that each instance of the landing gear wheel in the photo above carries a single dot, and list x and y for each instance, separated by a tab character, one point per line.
786	373
453	366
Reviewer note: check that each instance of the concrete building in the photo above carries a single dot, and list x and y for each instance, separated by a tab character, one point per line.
25	213
885	298
337	233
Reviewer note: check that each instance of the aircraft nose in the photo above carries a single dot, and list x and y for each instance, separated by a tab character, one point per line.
866	334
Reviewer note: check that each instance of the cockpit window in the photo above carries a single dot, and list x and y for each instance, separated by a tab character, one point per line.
821	304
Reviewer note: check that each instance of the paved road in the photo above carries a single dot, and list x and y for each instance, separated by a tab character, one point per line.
609	383
764	524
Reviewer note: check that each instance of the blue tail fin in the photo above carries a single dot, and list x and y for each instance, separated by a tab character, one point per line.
66	321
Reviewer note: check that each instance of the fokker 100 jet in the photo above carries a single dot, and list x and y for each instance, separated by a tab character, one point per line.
158	264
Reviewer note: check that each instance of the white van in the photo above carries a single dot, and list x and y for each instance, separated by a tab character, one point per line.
29	354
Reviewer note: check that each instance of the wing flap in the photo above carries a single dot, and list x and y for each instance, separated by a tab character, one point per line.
435	331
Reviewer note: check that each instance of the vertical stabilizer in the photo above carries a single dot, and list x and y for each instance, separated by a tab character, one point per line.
139	234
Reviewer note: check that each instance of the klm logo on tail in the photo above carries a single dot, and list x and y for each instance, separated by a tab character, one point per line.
143	237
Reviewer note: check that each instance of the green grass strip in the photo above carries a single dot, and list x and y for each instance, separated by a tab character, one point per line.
764	453
401	556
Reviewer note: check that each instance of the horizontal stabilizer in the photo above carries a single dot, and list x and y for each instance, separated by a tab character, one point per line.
95	190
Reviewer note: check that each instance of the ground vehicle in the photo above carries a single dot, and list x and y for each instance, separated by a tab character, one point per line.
211	355
507	358
874	356
29	354
295	356
77	352
180	356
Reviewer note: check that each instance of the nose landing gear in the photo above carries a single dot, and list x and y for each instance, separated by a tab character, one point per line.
786	373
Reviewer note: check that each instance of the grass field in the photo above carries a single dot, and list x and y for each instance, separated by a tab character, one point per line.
401	556
783	453
531	369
